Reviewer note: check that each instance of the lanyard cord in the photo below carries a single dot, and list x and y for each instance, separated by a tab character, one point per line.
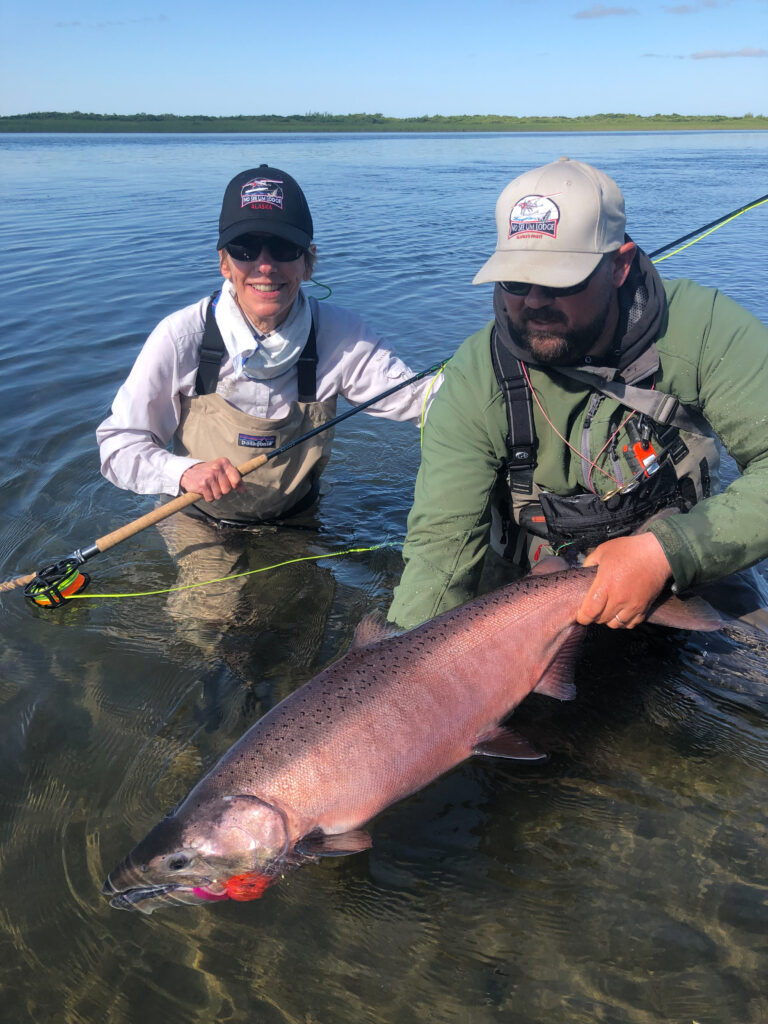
592	465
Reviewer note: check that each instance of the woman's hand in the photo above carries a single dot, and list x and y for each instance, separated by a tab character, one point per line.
212	479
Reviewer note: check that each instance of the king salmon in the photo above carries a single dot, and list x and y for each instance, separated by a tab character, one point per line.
386	719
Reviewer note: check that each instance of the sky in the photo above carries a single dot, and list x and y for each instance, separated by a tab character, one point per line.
399	58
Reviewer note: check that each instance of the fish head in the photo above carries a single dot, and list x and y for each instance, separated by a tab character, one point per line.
230	847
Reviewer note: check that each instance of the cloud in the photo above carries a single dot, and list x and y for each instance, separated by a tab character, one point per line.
692	8
599	11
745	51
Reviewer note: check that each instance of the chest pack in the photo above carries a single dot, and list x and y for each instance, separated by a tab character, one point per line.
213	351
682	474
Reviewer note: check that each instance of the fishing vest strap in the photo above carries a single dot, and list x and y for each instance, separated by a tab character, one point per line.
213	350
521	437
660	407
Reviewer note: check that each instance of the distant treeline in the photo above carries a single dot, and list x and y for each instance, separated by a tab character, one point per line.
75	121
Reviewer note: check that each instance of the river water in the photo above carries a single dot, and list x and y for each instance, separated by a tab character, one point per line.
624	881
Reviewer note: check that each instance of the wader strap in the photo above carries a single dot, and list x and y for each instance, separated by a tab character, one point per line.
211	353
521	439
213	350
660	407
307	368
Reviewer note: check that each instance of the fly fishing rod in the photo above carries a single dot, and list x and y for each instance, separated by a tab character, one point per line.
712	224
53	584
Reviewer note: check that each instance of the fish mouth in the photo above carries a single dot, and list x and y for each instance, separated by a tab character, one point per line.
148	898
132	899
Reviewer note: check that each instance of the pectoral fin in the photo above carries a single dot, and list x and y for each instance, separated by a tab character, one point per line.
504	742
557	679
318	844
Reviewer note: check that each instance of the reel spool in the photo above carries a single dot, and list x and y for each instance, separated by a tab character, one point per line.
55	583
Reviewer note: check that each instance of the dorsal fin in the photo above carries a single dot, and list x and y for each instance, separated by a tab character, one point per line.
371	628
552	563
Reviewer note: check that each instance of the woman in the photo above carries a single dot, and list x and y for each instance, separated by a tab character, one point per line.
254	367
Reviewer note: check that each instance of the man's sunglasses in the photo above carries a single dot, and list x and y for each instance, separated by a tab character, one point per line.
247	248
521	288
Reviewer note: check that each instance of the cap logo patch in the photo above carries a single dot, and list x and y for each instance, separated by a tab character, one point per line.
534	217
262	194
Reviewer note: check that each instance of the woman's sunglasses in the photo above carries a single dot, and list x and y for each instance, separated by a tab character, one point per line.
247	248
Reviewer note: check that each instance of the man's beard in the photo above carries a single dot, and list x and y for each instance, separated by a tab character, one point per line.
566	349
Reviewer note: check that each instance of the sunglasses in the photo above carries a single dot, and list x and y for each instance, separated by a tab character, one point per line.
247	248
521	288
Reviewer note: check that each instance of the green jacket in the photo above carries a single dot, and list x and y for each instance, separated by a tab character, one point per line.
714	358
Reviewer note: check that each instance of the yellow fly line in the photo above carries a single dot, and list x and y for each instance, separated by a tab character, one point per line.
752	206
223	579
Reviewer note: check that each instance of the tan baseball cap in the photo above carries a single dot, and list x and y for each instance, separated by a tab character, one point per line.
554	225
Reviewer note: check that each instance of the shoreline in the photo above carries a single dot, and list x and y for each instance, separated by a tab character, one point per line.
77	122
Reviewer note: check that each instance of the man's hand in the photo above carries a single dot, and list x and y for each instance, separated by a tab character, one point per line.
212	479
632	572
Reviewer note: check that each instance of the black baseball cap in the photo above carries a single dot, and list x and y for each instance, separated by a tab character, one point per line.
267	201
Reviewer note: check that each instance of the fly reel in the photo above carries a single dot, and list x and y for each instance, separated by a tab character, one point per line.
55	583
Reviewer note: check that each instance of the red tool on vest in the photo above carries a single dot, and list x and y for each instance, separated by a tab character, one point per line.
640	453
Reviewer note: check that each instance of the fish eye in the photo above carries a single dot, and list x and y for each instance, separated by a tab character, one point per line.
177	862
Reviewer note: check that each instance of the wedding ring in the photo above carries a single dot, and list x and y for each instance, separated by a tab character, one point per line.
619	620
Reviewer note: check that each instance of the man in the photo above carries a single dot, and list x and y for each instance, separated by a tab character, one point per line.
581	421
255	367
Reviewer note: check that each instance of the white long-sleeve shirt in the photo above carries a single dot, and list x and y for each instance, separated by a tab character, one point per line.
352	362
